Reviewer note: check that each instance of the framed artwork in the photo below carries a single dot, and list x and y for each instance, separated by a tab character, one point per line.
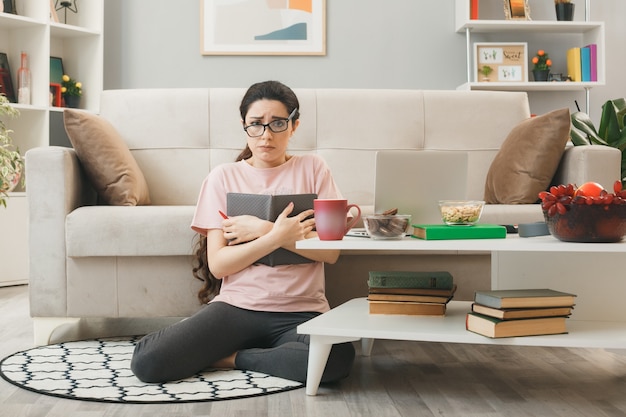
263	27
56	70
516	9
6	84
506	61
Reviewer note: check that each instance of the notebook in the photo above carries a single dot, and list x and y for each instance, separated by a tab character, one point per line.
401	183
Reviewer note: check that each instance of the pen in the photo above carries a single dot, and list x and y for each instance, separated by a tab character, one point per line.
222	214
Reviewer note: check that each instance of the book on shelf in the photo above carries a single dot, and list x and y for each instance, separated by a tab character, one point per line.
573	64
443	231
474	9
269	207
585	64
437	299
593	61
407	308
494	328
524	298
435	292
410	279
521	313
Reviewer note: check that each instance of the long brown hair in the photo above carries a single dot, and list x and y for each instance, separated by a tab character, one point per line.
266	90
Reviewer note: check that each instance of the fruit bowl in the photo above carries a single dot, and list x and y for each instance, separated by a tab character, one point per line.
589	223
386	226
461	212
573	217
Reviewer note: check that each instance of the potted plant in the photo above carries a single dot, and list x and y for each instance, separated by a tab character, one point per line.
611	132
564	9
542	64
485	70
11	162
71	90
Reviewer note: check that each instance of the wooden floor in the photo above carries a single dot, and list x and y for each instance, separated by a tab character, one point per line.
399	379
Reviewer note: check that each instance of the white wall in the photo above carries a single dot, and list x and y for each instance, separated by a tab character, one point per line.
370	44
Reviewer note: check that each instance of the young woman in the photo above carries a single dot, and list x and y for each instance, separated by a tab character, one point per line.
253	309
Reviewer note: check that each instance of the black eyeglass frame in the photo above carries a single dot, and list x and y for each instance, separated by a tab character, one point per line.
269	125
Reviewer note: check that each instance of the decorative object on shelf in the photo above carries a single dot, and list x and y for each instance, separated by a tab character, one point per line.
516	10
23	80
71	90
54	17
588	213
66	5
564	10
611	132
485	70
507	60
9	6
542	64
11	162
271	28
6	84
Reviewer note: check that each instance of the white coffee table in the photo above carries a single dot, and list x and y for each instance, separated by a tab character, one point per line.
599	318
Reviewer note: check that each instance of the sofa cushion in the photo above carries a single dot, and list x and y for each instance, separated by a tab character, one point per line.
129	231
107	161
528	159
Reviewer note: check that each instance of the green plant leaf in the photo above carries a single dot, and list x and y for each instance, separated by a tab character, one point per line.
582	122
609	125
578	138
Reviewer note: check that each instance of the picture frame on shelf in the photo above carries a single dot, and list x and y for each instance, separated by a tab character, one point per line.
56	70
55	95
516	10
54	17
507	60
6	82
270	28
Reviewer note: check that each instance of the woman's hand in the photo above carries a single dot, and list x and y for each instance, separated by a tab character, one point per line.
290	229
241	229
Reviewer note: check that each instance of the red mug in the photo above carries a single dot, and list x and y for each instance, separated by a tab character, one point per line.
331	218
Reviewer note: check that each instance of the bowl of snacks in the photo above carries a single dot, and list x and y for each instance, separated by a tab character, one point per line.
461	212
387	225
588	213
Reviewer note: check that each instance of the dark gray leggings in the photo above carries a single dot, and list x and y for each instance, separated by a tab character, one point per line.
265	342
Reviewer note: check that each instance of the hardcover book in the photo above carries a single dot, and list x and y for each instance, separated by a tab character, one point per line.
433	292
524	298
573	64
410	279
412	298
407	308
494	328
443	231
521	313
585	64
269	207
593	61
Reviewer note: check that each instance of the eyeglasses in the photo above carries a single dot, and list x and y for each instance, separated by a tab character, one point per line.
280	125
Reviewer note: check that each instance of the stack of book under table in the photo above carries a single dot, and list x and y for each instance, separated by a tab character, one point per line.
410	292
527	312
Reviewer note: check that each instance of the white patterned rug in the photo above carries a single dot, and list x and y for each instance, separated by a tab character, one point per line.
99	370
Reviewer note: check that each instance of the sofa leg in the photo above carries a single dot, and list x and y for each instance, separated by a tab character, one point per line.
44	327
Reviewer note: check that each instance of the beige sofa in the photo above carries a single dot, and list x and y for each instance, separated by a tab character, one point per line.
93	261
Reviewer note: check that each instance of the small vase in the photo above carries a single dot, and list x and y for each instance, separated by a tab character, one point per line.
564	11
541	75
72	102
